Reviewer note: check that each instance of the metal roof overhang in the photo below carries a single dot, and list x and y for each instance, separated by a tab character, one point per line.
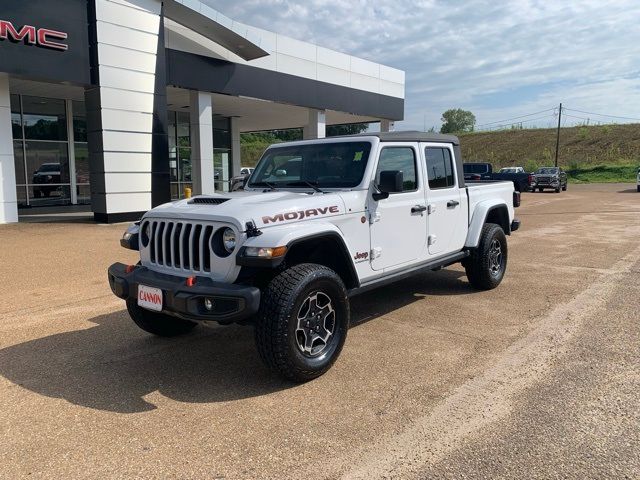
211	24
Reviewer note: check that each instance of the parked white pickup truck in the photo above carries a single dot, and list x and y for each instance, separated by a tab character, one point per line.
318	222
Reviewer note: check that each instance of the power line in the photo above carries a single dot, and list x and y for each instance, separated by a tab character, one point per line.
573	116
495	127
516	118
601	114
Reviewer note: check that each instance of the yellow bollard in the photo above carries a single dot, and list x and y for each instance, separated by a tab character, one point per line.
187	192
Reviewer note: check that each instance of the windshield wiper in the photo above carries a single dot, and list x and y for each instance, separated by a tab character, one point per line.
270	185
301	183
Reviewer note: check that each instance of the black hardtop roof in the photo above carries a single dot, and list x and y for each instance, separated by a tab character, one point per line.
410	136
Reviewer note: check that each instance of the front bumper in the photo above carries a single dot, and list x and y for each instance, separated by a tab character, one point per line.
231	302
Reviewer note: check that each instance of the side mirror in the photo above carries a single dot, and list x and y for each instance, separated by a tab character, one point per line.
391	181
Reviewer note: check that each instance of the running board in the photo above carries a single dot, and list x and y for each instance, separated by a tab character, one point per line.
394	277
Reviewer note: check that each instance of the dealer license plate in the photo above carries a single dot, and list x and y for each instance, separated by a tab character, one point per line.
150	298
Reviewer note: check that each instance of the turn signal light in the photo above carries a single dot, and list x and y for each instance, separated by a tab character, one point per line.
191	281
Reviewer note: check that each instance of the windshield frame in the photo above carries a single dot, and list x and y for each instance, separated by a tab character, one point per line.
254	184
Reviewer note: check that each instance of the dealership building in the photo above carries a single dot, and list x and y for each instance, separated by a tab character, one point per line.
121	104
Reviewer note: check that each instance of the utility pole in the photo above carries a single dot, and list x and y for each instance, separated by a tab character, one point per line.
558	134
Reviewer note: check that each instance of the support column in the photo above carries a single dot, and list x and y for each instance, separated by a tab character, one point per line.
202	143
8	198
126	109
236	155
316	128
387	125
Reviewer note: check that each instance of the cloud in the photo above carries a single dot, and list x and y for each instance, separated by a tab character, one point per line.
524	55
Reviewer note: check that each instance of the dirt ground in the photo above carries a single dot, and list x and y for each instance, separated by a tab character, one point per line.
539	378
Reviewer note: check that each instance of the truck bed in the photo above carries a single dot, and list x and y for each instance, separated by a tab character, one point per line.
485	190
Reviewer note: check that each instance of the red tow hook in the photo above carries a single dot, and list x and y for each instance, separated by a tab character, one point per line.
191	281
129	268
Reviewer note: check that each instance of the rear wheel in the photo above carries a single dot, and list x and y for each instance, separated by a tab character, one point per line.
158	323
303	321
487	264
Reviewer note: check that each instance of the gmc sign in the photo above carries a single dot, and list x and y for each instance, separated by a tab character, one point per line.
30	35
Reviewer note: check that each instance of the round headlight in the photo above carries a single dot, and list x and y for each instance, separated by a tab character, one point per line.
229	239
146	233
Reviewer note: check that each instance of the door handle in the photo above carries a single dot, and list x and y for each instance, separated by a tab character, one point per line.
418	208
452	203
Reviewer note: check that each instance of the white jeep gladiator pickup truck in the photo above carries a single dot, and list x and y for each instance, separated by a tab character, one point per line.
318	222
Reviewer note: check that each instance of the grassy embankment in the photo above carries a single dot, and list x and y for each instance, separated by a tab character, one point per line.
608	153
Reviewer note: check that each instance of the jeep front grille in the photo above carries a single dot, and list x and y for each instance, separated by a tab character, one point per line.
180	245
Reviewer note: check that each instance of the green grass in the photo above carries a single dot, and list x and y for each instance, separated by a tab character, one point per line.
602	173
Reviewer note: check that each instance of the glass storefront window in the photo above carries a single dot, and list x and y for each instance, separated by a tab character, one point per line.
44	118
179	152
18	159
222	164
16	117
79	121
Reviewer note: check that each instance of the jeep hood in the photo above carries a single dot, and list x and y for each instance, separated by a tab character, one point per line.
265	209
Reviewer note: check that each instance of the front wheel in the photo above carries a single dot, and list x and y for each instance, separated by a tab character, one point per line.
158	323
303	321
540	189
486	265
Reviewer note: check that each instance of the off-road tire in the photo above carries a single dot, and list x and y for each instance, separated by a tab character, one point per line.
158	323
564	188
558	190
540	189
639	188
478	265
277	321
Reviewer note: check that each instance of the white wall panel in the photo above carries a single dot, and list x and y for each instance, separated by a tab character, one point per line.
127	79
391	74
127	162
296	66
118	14
125	100
6	136
144	5
334	59
365	67
124	58
296	48
127	182
335	76
364	82
126	142
126	37
124	120
391	89
128	202
7	179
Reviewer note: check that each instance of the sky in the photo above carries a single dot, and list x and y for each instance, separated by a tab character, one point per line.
499	59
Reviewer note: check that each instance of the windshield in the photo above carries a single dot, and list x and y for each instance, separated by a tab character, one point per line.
547	171
508	170
328	165
475	168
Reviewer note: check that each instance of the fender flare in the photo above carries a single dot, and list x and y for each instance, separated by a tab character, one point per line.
295	234
480	214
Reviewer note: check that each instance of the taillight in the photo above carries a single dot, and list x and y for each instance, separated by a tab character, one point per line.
516	199
530	179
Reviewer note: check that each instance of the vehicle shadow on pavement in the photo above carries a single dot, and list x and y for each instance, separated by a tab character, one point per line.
113	365
629	190
386	299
